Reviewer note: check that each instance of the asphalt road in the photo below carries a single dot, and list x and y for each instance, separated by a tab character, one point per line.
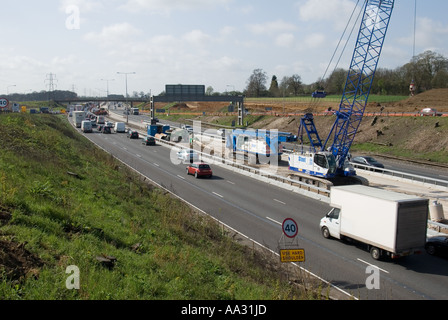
257	210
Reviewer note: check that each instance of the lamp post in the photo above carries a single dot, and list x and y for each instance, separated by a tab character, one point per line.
127	108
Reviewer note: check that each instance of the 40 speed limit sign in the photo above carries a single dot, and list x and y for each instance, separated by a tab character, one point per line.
3	103
290	228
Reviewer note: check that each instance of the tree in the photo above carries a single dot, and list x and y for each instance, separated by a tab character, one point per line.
291	86
335	83
209	91
274	91
256	84
424	68
295	84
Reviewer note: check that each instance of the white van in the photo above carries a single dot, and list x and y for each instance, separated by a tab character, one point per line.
86	126
101	120
120	127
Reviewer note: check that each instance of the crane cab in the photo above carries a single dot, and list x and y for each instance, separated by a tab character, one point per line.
321	164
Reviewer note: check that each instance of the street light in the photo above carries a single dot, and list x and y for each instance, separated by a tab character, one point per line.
127	108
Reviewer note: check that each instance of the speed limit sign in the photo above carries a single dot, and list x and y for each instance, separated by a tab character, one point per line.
3	103
290	228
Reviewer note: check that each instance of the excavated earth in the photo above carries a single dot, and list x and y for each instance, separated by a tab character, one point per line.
410	132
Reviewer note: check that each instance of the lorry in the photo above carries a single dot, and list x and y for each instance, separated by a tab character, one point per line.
135	111
389	223
78	118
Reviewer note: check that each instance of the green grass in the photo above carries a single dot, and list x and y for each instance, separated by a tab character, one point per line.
440	156
105	209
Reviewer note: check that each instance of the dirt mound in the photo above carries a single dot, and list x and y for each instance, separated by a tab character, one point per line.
436	98
16	262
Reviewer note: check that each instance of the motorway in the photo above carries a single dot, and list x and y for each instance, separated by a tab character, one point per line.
256	210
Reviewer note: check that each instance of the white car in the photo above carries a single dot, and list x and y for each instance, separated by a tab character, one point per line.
188	155
428	112
187	127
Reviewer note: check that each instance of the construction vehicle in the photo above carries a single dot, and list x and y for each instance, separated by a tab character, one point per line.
253	145
326	159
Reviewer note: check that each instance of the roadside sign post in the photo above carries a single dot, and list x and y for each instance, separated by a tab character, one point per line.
4	103
290	250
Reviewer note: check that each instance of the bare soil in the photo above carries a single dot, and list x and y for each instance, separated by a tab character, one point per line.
410	132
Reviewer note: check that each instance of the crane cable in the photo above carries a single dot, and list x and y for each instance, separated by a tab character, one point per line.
341	38
412	85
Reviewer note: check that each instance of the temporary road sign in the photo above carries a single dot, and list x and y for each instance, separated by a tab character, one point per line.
4	103
292	255
290	228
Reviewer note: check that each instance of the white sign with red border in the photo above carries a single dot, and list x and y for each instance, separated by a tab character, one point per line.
4	103
290	228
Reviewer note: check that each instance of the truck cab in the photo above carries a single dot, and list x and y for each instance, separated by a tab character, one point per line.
321	164
330	224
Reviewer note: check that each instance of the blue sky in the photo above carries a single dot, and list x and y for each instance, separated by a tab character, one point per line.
216	43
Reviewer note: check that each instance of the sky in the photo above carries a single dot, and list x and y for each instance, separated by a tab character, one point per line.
87	45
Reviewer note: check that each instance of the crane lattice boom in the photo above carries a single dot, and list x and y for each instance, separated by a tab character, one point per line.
364	63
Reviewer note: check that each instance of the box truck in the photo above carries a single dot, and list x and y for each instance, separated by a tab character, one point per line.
389	223
78	118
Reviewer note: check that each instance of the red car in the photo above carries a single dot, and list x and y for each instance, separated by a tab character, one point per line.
199	169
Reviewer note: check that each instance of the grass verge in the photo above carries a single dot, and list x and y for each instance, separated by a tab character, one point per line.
66	203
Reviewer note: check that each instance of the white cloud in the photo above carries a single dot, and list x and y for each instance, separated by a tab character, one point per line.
272	27
196	37
165	7
315	40
20	63
83	5
335	11
431	33
286	40
113	35
227	31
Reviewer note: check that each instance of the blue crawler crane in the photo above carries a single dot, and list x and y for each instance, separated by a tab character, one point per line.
328	159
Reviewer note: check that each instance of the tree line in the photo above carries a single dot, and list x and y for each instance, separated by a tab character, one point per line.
427	71
42	96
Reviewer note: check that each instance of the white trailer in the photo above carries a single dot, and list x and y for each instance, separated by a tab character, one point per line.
78	118
389	223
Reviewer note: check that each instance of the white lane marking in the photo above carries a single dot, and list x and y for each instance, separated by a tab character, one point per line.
279	201
157	165
181	177
230	182
217	194
372	265
275	221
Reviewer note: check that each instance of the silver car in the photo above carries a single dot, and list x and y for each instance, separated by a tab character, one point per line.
188	155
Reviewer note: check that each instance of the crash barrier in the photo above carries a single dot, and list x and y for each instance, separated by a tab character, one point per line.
409	177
